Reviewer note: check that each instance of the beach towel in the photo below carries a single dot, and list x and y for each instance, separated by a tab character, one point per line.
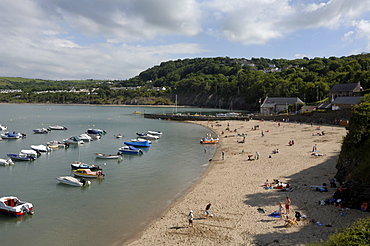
275	215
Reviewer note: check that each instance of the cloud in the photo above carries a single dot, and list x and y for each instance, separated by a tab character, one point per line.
118	39
261	21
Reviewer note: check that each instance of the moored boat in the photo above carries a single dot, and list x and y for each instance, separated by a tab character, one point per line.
138	143
209	140
11	205
129	150
87	173
155	133
80	165
140	140
73	140
12	135
69	180
147	136
21	157
3	128
86	138
56	144
41	131
6	162
41	148
106	156
57	127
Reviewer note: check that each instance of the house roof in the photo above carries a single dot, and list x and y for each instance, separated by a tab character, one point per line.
346	100
344	87
324	106
272	101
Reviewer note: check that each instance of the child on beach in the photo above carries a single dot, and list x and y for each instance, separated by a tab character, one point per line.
191	218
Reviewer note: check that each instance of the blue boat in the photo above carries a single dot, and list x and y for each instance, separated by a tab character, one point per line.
129	150
138	143
21	157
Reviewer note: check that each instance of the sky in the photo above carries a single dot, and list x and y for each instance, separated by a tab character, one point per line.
118	39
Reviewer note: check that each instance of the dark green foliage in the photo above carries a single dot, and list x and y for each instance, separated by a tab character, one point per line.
221	77
358	234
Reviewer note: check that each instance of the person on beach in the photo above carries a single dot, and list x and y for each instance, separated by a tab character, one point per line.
208	213
191	218
257	155
287	205
280	210
223	155
314	148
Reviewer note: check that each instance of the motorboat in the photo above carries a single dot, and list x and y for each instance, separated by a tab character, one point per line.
119	135
6	162
137	112
41	148
94	134
147	136
106	156
11	205
12	135
57	127
138	143
20	157
41	131
96	131
73	140
80	165
69	180
155	133
129	150
209	140
140	140
87	173
85	137
3	128
56	144
30	152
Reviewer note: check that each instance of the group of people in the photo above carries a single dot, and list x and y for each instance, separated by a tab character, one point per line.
207	214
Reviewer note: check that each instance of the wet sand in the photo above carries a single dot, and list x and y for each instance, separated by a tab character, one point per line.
234	186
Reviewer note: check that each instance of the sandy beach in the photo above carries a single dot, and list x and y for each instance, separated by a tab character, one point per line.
234	187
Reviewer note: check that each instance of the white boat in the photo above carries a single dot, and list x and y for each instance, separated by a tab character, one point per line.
129	150
73	181
12	135
6	162
147	136
41	148
11	205
41	131
56	144
140	140
106	156
57	127
30	152
86	138
3	128
155	133
73	140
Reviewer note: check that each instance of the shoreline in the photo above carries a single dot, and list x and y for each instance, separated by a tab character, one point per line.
234	187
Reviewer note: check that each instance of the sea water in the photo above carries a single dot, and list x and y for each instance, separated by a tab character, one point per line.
134	191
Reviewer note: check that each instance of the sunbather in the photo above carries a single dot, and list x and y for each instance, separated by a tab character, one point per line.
289	222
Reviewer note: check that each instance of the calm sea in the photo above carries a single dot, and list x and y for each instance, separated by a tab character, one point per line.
134	191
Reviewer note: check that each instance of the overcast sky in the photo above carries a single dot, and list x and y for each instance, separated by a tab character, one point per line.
117	39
